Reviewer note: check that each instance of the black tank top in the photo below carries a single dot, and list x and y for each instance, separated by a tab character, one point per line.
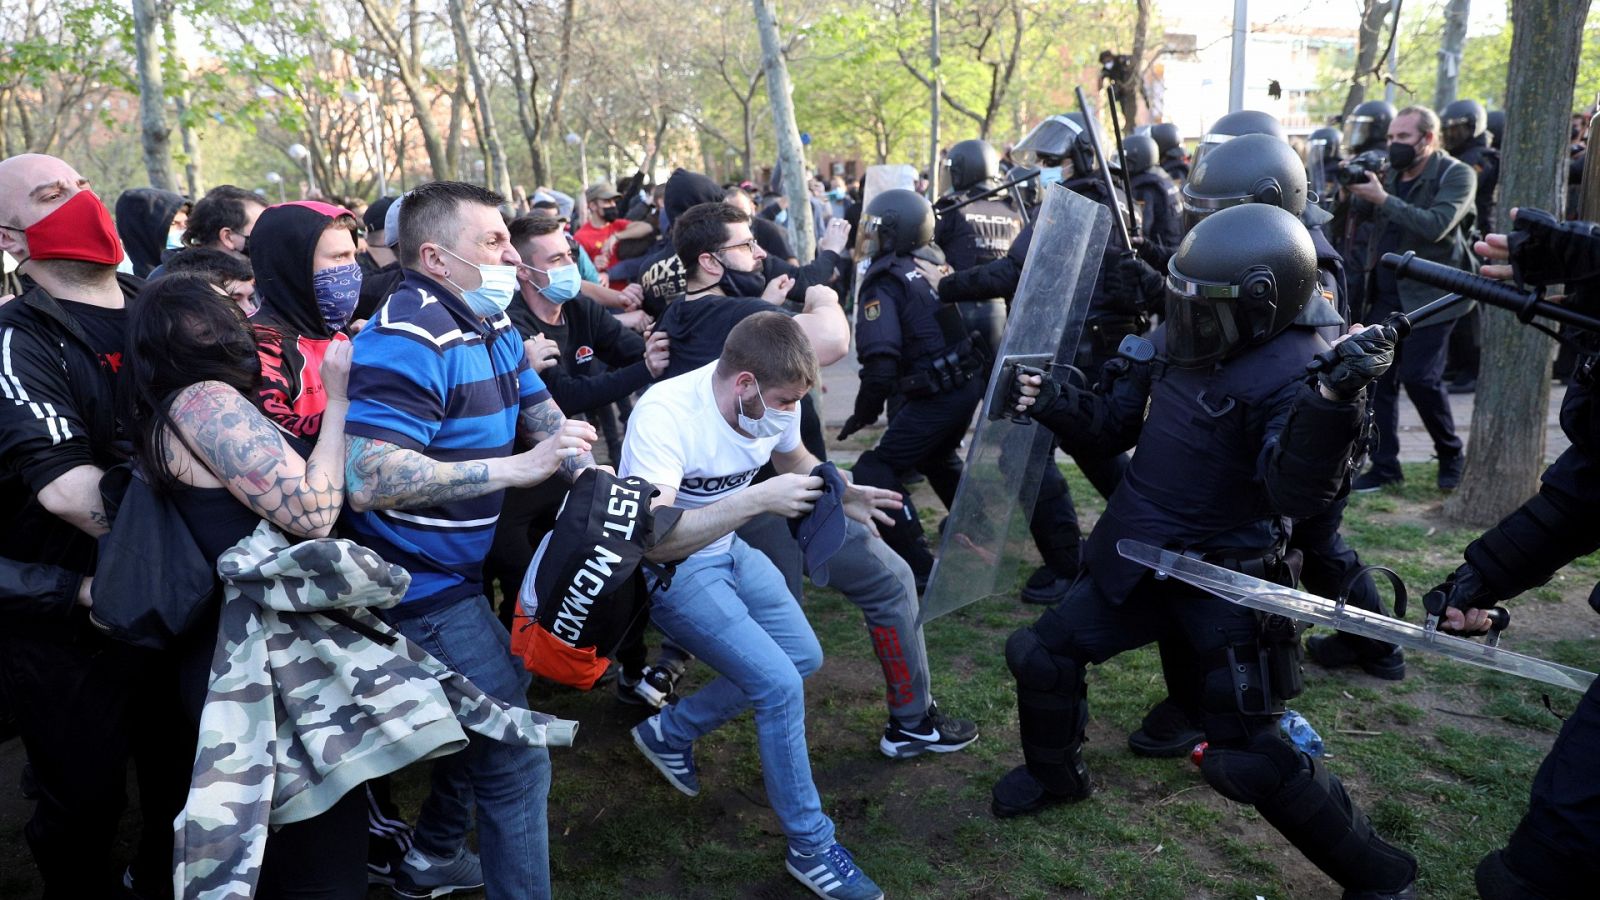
215	517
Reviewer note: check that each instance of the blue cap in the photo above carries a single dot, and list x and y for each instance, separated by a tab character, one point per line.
822	532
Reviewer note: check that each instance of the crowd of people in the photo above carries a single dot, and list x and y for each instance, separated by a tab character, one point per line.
398	428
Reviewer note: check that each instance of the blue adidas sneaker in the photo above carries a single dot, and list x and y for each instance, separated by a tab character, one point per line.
832	874
676	765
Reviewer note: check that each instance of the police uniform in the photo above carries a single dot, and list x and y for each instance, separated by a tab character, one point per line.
910	344
979	232
1155	195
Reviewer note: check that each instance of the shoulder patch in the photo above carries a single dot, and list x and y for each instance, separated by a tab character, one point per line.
871	310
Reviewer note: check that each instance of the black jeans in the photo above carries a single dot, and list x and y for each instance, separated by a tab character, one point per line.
1419	366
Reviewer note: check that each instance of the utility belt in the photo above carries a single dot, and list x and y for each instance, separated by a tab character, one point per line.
943	372
1266	671
1105	333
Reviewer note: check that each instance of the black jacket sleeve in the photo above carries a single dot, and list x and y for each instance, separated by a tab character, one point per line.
956	237
821	270
1309	449
992	279
879	375
577	395
619	347
36	590
1105	420
42	433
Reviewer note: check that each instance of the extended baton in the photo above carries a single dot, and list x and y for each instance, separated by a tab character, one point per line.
1524	304
1122	156
1090	125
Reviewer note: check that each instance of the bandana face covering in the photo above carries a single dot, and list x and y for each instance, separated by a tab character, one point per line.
79	229
337	290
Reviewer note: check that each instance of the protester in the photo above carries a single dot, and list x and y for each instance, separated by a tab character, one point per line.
378	255
230	273
151	223
768	234
441	391
81	702
223	220
377	287
694	437
605	226
1425	205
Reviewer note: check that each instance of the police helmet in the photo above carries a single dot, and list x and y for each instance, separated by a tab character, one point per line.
1166	137
1328	139
1462	121
1252	168
1055	139
1239	279
1367	126
1139	153
1496	123
899	221
1237	124
971	163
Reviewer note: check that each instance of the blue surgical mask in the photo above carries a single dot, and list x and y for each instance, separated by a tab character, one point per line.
174	240
564	282
493	295
772	423
337	289
1049	175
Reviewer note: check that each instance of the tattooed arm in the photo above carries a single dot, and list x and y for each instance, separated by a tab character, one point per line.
541	422
225	433
74	497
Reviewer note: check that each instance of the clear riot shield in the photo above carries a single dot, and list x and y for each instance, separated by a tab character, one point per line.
988	521
879	179
1318	177
1266	596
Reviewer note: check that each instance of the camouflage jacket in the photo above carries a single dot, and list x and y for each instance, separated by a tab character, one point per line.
312	694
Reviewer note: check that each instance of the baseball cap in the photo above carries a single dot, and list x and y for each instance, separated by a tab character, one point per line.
601	190
373	219
822	531
391	222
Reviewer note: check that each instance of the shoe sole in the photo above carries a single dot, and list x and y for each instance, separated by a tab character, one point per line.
649	696
908	749
1001	811
1374	489
661	767
798	876
1387	673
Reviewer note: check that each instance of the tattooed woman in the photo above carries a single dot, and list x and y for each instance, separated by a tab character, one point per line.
192	370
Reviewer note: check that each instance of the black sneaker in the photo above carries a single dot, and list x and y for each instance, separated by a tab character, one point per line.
1018	793
1167	732
1334	651
626	688
1450	469
656	687
936	733
1045	587
1373	480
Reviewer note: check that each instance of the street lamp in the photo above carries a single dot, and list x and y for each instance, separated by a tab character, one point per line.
365	99
581	142
275	178
301	155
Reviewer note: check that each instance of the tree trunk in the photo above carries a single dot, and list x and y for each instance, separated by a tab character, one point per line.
1451	41
499	172
791	154
191	147
1508	419
408	67
1368	44
1133	87
154	135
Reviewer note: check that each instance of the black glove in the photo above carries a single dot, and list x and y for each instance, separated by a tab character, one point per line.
1464	589
1049	392
854	424
1133	283
1355	362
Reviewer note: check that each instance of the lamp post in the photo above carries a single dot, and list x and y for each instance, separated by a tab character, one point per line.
301	155
575	139
275	178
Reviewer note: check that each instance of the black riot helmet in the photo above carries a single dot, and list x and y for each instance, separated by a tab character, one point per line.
1328	140
1139	153
1367	127
1055	139
1237	124
1239	279
1460	122
971	163
899	221
1166	137
1251	168
1496	123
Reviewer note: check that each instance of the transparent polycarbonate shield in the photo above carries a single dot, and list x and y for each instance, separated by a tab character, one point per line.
1275	598
878	180
1317	172
984	535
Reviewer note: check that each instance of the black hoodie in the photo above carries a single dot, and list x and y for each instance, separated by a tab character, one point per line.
291	333
144	216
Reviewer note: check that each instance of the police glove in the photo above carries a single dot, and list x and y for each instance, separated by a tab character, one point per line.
1355	362
1464	589
1143	281
1045	394
854	424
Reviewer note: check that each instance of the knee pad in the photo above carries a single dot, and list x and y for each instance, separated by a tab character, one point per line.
1254	773
1037	668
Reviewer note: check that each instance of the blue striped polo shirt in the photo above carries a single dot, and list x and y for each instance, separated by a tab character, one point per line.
428	375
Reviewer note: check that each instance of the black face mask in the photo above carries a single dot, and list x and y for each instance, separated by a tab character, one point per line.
737	283
1402	156
610	214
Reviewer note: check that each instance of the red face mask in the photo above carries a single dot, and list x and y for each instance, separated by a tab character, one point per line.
80	229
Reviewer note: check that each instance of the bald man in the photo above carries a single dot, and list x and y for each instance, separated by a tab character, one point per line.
81	701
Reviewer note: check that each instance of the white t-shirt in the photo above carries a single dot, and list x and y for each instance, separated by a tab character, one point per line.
678	438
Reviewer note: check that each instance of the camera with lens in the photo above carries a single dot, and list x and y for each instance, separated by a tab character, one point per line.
1354	171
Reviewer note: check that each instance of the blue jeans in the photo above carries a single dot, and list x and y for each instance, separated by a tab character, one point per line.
508	785
734	611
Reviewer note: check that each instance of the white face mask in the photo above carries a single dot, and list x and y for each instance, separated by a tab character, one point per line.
772	423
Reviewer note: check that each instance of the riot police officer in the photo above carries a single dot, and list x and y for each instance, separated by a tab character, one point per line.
1259	168
911	345
1156	197
1367	127
1234	124
1236	437
1464	129
978	231
1323	157
1173	159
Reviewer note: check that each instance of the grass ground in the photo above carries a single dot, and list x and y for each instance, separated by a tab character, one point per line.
1441	762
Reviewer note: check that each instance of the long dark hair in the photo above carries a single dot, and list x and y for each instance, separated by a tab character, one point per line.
181	331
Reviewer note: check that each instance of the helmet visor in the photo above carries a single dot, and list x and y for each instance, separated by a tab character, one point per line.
1051	138
1359	131
1201	324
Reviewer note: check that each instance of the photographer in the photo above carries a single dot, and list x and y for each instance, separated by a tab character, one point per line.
1424	204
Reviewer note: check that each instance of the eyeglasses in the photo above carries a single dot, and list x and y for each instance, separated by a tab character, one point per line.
750	245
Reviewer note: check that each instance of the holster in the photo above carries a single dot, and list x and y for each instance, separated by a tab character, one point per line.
943	372
1269	670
